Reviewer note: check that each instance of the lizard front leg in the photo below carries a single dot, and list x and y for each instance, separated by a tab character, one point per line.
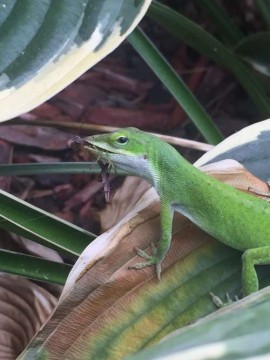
250	258
159	252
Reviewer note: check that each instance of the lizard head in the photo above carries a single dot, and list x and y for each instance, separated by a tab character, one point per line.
127	148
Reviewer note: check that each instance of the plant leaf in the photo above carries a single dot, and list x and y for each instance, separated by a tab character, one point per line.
24	306
35	224
33	267
123	201
249	146
240	331
106	304
52	168
255	50
175	85
236	175
199	39
61	41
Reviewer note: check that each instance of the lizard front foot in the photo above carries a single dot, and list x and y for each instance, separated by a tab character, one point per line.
151	260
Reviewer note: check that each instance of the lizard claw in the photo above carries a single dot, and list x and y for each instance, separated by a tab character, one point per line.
219	303
151	260
143	254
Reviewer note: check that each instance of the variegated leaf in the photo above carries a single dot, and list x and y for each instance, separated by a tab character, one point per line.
45	45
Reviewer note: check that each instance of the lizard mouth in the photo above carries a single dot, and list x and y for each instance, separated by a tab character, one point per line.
78	141
95	148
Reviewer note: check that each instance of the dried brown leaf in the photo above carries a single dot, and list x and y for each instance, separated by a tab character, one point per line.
101	286
101	291
44	138
121	117
6	153
123	201
233	173
24	307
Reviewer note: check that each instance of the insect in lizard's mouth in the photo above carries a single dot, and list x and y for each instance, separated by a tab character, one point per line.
95	148
78	141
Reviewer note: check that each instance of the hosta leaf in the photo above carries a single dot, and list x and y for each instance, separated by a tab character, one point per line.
107	311
249	146
104	304
240	331
24	306
236	175
124	200
45	45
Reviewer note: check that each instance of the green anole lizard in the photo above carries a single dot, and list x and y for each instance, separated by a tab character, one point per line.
234	218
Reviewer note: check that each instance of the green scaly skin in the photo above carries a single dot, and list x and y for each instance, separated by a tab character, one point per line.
234	218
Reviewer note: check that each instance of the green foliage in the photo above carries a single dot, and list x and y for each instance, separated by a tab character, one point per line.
54	30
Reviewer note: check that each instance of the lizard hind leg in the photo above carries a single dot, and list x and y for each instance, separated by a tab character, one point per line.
250	258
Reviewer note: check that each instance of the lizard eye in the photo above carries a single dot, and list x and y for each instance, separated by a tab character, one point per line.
122	140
